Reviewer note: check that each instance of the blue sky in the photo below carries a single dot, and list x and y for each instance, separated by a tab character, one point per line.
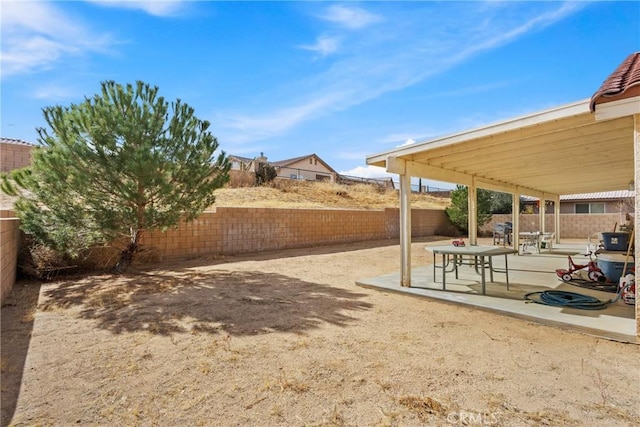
342	80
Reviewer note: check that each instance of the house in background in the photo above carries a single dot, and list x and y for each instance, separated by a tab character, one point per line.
620	202
306	168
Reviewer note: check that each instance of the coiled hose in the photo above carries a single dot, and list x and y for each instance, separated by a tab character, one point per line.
571	299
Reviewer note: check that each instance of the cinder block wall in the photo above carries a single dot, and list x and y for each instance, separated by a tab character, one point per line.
9	245
14	156
572	226
237	230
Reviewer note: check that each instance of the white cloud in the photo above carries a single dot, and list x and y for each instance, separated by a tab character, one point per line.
153	7
250	128
418	42
368	172
37	35
409	141
54	92
324	45
353	18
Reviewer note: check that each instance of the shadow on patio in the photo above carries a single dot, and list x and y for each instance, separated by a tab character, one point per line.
527	273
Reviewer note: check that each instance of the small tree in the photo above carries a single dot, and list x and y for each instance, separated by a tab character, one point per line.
265	173
116	165
458	212
502	203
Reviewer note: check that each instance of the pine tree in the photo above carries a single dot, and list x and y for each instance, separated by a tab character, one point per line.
458	212
114	166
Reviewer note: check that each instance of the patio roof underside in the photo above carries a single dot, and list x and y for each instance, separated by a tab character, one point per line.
561	151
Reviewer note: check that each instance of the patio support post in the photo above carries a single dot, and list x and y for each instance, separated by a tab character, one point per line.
472	200
556	217
515	216
542	212
405	229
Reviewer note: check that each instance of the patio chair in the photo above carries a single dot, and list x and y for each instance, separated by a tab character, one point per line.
502	232
546	241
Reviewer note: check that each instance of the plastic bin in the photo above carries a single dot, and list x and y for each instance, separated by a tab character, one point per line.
615	241
612	265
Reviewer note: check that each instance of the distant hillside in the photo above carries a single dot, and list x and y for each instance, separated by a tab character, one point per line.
306	194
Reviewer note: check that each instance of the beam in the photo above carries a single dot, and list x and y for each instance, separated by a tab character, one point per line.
396	165
438	174
620	108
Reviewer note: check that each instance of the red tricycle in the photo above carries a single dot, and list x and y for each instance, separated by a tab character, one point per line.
593	272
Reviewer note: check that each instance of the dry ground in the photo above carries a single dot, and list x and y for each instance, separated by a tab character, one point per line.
322	195
286	338
306	194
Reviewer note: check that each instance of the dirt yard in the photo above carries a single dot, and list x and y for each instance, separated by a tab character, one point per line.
286	338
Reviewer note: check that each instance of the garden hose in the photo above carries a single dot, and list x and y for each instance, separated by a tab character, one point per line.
571	299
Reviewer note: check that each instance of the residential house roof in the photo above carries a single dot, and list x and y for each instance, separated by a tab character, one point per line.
603	195
287	162
624	82
241	159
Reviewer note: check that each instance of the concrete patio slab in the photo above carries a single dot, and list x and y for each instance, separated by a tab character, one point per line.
527	273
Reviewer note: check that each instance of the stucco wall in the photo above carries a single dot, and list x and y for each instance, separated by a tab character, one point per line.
9	244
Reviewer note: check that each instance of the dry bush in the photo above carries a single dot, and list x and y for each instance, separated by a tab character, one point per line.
37	261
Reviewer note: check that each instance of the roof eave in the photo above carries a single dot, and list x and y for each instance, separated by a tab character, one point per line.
556	113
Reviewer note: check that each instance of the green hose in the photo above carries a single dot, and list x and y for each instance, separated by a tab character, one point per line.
567	299
572	299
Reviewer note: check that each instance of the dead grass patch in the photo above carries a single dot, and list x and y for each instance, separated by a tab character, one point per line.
309	194
423	407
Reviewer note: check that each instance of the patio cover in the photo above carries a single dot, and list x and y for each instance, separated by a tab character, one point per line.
587	146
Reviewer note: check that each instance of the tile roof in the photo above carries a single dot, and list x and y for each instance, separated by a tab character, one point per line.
620	194
626	76
14	141
605	195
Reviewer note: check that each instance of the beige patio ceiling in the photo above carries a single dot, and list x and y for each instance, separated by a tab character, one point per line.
564	150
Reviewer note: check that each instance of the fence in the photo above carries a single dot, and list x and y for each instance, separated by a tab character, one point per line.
238	230
14	156
9	245
572	226
348	180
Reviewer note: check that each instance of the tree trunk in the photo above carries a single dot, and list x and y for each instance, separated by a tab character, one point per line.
127	255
